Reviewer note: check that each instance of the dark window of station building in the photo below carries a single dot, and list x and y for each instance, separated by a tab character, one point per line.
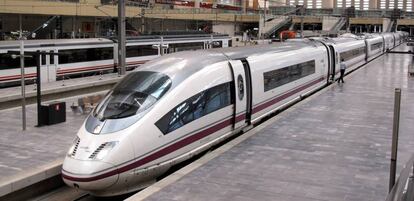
282	76
142	50
7	62
85	55
350	54
178	47
196	107
376	46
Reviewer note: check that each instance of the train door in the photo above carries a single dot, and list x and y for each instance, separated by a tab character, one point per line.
52	66
366	50
249	91
333	62
393	41
225	43
242	98
47	68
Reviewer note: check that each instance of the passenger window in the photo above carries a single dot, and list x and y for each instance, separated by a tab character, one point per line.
142	50
85	55
180	116
350	54
196	107
199	102
276	78
217	97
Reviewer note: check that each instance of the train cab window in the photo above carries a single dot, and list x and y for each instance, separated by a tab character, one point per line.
282	76
196	107
135	93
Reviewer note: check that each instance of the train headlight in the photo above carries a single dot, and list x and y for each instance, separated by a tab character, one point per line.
103	150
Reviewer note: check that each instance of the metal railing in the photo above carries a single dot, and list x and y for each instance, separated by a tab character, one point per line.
379	13
403	189
70	1
193	11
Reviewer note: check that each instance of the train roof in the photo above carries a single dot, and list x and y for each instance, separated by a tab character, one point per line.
335	40
182	65
251	51
103	41
54	42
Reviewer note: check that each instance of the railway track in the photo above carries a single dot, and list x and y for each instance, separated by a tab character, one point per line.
66	193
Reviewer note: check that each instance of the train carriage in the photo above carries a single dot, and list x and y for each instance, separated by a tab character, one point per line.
98	55
388	41
275	83
375	46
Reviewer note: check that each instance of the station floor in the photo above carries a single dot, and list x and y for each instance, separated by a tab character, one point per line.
333	146
26	152
33	155
22	151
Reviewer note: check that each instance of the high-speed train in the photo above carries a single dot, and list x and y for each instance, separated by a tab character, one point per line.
85	56
181	104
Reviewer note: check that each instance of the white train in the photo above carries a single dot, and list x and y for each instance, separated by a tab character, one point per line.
83	56
181	104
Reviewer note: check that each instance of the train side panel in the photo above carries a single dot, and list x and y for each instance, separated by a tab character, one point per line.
272	87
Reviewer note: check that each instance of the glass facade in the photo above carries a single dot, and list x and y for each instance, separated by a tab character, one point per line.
383	4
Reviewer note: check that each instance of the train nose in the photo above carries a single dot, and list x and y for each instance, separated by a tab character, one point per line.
88	175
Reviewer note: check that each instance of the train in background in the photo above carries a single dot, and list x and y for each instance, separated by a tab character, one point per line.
182	104
356	50
96	55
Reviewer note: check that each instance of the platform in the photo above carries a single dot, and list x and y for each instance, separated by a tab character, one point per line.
27	157
333	146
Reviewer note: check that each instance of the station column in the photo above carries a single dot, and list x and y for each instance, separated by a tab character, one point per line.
327	3
373	4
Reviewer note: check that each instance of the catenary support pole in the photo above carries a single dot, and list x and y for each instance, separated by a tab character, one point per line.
23	84
121	37
395	128
22	79
38	87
